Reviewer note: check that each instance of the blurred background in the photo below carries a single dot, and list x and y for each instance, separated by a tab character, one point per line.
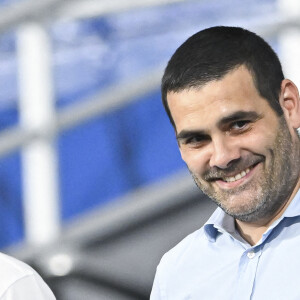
92	187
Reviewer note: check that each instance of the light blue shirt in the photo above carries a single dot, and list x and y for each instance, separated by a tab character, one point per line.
215	263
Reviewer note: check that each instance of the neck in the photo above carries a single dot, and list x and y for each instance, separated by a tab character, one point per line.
252	232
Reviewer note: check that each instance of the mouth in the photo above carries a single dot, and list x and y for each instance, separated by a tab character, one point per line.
232	181
237	176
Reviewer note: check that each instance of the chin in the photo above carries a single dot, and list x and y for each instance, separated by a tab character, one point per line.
258	211
248	209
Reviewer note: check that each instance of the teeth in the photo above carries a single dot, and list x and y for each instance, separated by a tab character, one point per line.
237	176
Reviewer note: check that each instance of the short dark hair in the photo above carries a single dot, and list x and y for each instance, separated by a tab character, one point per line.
211	53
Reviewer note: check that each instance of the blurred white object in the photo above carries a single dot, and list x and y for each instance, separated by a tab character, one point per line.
60	264
289	39
37	113
19	281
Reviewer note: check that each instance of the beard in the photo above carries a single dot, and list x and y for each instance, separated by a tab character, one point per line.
264	194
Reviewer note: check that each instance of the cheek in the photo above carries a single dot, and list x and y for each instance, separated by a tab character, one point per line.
195	160
259	141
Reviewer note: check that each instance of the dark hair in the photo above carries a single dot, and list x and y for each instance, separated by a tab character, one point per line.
211	53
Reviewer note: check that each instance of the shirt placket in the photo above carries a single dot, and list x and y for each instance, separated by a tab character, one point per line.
247	273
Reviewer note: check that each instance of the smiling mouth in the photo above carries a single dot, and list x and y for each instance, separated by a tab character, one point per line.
230	175
237	176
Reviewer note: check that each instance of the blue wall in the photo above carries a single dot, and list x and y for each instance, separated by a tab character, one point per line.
131	147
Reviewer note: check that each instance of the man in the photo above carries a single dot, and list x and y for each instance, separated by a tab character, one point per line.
235	119
18	281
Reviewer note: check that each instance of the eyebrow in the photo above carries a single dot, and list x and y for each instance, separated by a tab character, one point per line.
238	115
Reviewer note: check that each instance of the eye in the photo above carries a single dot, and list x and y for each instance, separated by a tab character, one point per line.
196	141
193	140
238	125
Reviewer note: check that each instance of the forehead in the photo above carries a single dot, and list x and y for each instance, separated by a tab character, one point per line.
207	104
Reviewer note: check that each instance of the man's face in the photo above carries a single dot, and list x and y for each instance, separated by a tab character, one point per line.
239	152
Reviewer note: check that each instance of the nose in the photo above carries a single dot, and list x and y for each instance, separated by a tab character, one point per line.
224	152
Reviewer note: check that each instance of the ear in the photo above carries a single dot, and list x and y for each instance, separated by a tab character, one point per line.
290	103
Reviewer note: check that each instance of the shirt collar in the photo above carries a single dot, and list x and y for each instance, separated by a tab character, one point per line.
220	222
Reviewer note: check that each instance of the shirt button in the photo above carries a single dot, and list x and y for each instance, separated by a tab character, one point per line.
250	254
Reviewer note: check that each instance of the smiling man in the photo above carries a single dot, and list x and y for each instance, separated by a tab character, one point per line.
235	119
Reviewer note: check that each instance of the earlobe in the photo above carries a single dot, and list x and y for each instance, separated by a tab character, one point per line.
290	102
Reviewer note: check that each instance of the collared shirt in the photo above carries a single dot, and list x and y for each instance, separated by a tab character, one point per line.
18	281
216	263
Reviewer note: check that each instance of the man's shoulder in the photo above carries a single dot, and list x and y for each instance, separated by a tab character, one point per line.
184	249
195	244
